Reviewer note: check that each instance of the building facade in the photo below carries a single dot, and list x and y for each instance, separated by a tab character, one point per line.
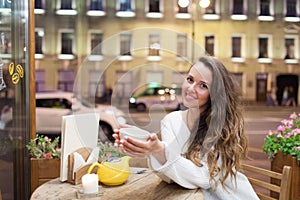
89	46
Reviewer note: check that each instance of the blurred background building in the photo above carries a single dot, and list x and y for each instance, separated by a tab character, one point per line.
94	46
257	40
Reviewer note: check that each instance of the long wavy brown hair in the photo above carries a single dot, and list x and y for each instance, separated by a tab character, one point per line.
220	133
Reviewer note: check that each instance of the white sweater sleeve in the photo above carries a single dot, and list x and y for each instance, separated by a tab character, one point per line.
177	168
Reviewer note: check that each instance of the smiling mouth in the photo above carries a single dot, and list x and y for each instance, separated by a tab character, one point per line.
189	97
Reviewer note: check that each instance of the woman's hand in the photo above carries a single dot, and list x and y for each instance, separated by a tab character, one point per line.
116	134
137	148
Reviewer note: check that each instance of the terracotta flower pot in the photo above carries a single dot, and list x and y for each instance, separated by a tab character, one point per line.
43	170
277	164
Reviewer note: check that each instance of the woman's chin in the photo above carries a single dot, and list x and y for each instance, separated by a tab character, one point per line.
191	104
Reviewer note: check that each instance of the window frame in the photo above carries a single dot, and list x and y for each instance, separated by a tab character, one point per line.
213	16
179	53
154	52
296	50
97	86
129	13
239	17
291	18
263	17
64	80
40	55
267	59
40	80
95	12
71	11
214	44
240	59
40	11
91	56
154	14
59	44
182	15
128	46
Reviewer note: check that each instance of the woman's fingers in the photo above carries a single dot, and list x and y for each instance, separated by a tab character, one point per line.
125	125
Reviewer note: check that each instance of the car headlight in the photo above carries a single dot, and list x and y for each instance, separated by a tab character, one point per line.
132	100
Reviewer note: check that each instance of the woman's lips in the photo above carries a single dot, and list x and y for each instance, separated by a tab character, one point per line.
189	97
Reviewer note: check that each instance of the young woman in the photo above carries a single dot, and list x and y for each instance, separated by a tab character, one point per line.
201	147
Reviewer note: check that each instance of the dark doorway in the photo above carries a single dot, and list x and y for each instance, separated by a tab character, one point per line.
286	80
261	87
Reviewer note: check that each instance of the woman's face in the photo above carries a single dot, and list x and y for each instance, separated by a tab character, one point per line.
196	86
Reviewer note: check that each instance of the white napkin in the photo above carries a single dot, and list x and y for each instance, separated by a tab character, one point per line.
79	161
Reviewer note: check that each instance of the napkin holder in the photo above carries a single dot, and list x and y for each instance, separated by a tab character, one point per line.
76	179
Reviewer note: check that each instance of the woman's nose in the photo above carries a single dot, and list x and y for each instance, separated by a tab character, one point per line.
192	87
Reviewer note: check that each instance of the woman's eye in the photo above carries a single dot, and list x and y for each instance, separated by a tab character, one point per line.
203	85
189	80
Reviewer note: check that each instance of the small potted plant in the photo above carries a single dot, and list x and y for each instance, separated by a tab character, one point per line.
285	139
44	161
44	147
283	148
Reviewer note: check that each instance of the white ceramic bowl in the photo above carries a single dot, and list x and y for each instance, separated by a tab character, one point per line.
134	132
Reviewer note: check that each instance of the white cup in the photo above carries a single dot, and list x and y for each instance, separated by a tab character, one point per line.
134	132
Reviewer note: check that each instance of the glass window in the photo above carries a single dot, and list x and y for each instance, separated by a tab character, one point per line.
290	48
154	45
39	35
154	6
5	4
96	5
96	40
96	8
125	8
66	4
209	44
211	9
40	80
96	84
182	45
182	9
66	80
39	4
236	46
263	47
265	7
125	5
238	7
39	7
67	43
125	46
291	8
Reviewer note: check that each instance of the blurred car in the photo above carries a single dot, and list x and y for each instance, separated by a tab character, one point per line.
168	98
51	106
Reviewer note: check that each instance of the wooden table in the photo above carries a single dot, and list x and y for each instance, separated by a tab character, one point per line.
139	186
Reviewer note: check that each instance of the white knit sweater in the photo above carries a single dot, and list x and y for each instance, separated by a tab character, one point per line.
184	172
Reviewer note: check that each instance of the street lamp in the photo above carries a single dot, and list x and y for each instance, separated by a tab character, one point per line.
185	3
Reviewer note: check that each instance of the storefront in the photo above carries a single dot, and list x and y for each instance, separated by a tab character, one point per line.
17	113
